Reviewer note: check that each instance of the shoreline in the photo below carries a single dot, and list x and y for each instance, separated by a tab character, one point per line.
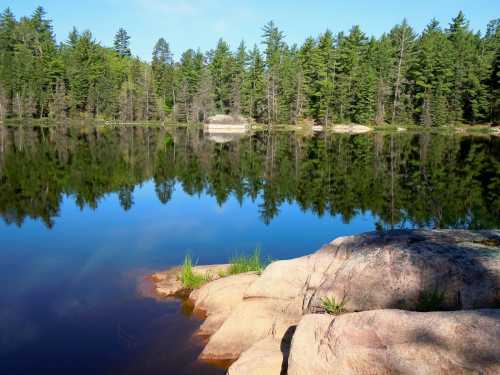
248	316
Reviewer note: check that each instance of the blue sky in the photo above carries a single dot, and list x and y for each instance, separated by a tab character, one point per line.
200	23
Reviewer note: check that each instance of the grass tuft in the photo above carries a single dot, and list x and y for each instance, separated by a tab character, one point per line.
247	263
331	306
430	301
189	278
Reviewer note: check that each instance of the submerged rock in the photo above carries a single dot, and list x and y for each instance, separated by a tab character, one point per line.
397	342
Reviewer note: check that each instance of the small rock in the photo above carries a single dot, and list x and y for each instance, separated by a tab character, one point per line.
168	283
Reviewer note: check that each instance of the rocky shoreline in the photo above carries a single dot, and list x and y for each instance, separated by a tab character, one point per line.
413	302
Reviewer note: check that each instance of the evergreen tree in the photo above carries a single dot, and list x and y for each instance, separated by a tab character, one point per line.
221	65
493	45
433	75
462	53
273	40
253	87
403	40
122	42
163	71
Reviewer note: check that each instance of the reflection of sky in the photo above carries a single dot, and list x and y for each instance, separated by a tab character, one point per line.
80	266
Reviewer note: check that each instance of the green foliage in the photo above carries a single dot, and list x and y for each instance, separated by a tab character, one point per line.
442	76
332	306
431	301
122	42
190	279
247	263
168	140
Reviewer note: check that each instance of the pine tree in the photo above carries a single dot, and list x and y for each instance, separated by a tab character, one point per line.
462	58
352	51
253	87
273	40
163	71
493	43
240	62
122	43
204	103
221	66
7	49
327	69
403	40
432	75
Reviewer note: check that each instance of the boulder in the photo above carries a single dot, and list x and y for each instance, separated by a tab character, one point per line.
251	321
391	270
351	129
168	283
397	342
265	357
217	299
227	119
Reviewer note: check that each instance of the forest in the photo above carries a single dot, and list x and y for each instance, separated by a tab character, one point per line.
441	76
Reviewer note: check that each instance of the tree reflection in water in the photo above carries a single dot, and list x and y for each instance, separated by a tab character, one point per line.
430	180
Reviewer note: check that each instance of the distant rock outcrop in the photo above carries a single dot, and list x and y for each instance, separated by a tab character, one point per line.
227	120
351	129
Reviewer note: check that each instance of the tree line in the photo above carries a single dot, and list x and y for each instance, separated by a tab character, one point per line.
443	75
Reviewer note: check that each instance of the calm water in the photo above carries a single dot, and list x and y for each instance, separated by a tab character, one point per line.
87	212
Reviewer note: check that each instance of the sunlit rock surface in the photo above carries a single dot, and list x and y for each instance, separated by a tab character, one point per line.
397	342
351	128
251	316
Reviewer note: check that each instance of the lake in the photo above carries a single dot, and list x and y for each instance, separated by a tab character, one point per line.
87	212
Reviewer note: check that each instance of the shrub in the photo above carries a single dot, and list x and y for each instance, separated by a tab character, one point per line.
331	306
189	278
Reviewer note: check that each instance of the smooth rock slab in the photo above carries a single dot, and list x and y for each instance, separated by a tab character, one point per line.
351	129
251	321
397	342
265	357
217	299
391	270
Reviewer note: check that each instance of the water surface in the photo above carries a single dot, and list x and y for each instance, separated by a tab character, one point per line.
88	211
